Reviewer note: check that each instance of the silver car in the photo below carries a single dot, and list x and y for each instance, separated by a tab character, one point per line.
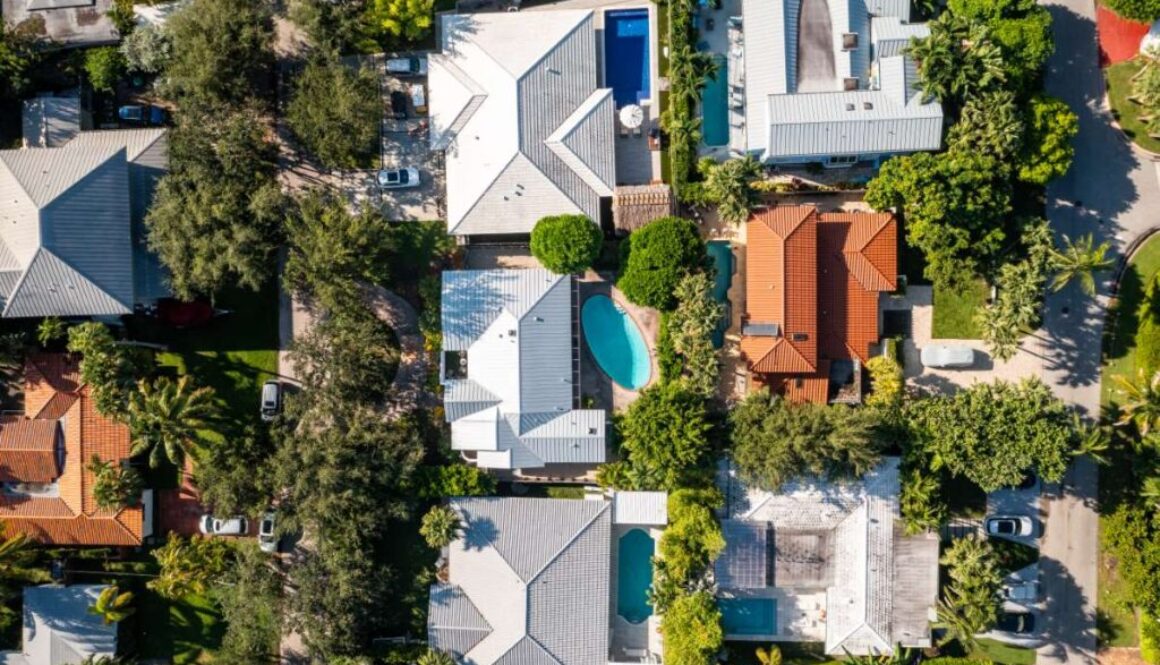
232	526
947	356
267	540
1010	525
404	178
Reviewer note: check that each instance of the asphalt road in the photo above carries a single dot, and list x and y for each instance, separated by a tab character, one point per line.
1111	192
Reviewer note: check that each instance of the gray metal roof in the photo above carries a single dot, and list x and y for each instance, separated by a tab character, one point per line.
67	223
516	405
50	122
514	103
535	574
60	630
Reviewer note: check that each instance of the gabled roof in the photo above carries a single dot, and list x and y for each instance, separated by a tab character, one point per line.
528	583
66	513
818	275
28	451
515	406
514	104
66	234
60	630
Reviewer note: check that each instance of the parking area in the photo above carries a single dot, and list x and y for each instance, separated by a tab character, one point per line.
406	140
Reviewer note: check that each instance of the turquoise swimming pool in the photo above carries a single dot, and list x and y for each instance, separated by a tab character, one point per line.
715	106
721	253
748	616
634	576
615	342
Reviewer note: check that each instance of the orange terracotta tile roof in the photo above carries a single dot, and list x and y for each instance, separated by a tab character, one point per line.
781	288
28	451
798	388
820	274
55	395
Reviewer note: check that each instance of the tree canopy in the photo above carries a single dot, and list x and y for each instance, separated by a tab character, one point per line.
409	19
1136	10
108	368
336	112
222	50
993	434
103	66
566	244
250	597
659	255
18	55
147	49
1021	29
774	441
690	327
1048	148
664	436
970	602
692	629
689	545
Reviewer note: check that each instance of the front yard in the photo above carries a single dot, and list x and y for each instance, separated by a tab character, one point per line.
1126	112
954	311
182	632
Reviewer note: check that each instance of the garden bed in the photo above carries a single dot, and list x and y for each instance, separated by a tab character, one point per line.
1119	82
954	311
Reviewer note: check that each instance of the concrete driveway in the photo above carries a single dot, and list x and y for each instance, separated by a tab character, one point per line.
1113	193
406	143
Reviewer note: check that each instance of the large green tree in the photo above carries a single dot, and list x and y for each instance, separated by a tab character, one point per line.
727	185
970	600
659	255
147	49
1132	535
991	124
692	629
1047	148
958	60
689	545
216	216
108	368
189	566
1020	284
349	357
775	441
332	25
993	434
566	244
409	19
664	438
103	67
222	51
168	419
1021	29
233	474
19	53
336	112
690	328
250	597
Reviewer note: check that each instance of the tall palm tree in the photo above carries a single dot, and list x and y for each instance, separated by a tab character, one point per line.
1141	401
113	606
679	129
1080	260
770	656
166	419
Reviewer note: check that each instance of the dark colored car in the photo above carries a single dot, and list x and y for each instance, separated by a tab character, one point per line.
143	115
399	104
1019	623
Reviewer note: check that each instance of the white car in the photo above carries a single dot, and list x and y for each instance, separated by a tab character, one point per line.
413	66
233	526
1010	525
948	356
404	178
419	98
267	540
271	400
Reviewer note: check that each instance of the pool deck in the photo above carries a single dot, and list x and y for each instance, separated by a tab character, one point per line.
593	381
800	617
629	642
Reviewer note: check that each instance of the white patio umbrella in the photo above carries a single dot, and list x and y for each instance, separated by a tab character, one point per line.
632	116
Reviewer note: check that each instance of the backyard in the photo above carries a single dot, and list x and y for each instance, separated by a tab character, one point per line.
185	630
1126	112
954	311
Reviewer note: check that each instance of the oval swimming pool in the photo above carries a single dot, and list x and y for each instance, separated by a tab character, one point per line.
615	342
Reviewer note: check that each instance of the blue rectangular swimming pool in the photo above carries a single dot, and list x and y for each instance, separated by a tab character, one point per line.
715	106
722	256
626	55
748	616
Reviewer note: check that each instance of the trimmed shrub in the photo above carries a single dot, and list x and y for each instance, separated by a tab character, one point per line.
1137	10
659	255
1148	333
566	244
1149	639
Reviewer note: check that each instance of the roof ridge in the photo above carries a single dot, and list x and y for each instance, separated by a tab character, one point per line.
503	169
579	532
589	16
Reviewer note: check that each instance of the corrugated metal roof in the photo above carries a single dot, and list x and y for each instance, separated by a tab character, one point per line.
537	571
505	85
644	508
59	629
50	122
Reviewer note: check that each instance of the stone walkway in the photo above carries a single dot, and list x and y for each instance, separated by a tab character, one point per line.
410	386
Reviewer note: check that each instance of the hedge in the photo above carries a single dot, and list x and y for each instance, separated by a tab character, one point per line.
1149	639
1137	10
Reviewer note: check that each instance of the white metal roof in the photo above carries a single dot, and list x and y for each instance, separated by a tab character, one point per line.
643	508
525	130
60	630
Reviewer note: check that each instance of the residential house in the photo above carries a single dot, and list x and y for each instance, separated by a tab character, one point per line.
829	562
510	370
46	488
828	81
517	111
530	580
812	284
69	23
60	630
72	224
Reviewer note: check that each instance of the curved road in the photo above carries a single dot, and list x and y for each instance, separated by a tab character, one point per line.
1112	191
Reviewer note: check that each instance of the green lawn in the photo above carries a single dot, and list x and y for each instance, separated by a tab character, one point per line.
954	311
1116	622
1120	340
1002	653
186	631
1125	111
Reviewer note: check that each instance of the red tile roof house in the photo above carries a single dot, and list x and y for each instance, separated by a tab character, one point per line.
812	286
46	491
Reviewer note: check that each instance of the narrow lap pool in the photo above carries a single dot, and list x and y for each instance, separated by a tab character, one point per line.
748	616
634	576
615	342
715	106
626	55
722	257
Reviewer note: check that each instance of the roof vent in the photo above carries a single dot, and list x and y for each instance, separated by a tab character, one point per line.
512	332
850	83
849	41
799	337
849	107
868	105
592	430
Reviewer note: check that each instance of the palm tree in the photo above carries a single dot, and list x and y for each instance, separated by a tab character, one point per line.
899	656
682	129
113	606
1141	402
1146	89
1080	260
770	656
439	526
166	419
1094	440
728	185
433	657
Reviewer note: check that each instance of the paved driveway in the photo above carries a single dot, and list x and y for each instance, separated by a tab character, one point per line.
1112	192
